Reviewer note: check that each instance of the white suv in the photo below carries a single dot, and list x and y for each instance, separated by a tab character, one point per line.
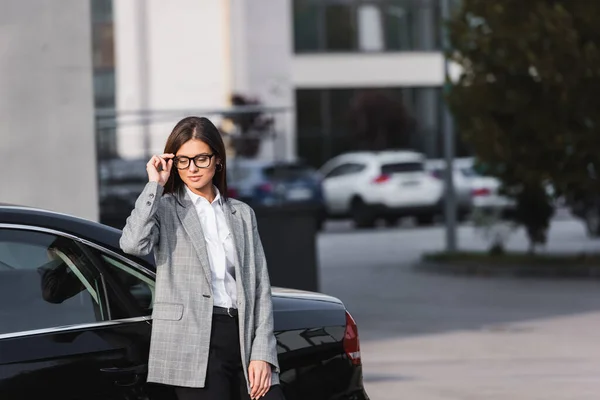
389	184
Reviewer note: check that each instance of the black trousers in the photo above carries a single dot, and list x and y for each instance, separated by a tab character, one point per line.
224	376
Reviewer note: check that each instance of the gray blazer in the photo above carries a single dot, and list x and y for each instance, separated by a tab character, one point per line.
183	304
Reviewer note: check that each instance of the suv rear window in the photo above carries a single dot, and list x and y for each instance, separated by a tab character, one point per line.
287	172
399	168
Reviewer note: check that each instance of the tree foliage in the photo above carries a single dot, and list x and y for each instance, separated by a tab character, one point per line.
527	99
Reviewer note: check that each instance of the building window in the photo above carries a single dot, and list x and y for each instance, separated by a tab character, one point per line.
397	23
324	127
103	54
103	63
370	32
366	25
340	27
306	25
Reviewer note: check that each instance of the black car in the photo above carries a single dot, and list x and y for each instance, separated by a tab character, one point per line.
88	337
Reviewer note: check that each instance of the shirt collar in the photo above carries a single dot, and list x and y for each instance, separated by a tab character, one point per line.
196	198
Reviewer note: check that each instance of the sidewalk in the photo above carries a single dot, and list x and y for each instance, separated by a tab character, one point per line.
550	359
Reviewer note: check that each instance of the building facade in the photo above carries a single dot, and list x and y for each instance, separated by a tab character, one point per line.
311	57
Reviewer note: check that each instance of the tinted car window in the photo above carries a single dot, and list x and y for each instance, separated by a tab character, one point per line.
288	172
469	172
399	168
131	291
346	169
45	281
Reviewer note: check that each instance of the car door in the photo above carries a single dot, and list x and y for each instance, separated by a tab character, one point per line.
130	291
339	185
58	337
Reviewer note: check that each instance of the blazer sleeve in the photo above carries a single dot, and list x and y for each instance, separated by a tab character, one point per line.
264	345
141	231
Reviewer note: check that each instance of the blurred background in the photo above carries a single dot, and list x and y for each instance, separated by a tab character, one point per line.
432	163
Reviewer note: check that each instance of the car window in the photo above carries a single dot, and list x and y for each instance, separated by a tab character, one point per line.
345	169
469	172
46	281
130	291
399	168
288	172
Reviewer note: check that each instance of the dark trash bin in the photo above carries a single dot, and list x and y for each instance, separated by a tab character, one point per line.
288	234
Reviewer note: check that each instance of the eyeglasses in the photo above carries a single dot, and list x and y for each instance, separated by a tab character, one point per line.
200	161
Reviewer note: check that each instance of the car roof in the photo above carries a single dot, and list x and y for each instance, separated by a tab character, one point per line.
257	163
108	237
95	232
385	156
463	162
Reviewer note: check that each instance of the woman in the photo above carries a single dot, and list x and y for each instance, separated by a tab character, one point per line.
212	333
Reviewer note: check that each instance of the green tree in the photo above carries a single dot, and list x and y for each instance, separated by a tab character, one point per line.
528	97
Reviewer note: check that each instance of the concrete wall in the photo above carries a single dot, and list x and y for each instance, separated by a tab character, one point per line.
261	61
170	55
47	141
368	70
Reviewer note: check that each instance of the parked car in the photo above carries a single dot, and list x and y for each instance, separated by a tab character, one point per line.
484	191
273	183
367	186
91	340
463	183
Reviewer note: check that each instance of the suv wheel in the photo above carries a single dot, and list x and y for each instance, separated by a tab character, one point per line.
361	214
592	221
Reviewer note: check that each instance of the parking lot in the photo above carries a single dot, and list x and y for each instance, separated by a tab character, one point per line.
430	336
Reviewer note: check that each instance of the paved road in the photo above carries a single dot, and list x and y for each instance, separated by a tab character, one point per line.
431	337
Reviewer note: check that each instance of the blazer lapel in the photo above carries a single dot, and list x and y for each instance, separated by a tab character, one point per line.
236	226
188	216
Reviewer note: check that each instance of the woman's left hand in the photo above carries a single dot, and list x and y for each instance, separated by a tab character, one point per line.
259	374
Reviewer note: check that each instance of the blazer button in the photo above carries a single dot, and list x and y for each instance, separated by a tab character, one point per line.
148	203
151	195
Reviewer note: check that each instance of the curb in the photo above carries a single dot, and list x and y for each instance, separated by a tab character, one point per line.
510	270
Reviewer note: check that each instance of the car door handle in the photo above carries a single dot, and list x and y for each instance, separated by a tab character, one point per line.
126	376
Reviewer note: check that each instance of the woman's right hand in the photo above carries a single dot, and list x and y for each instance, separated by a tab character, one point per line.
159	168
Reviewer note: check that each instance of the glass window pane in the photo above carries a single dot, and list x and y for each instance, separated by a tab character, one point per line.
101	10
399	168
310	149
370	32
45	282
340	103
309	108
397	26
345	169
306	25
103	53
130	291
345	143
340	27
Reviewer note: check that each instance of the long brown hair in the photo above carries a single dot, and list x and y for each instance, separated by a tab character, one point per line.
199	128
